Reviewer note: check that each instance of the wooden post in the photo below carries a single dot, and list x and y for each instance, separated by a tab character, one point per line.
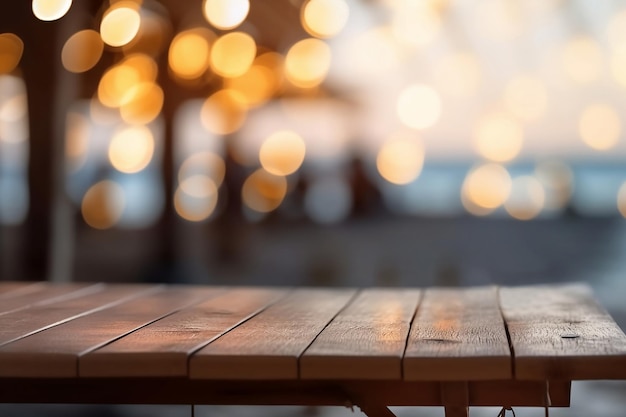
50	90
39	70
455	398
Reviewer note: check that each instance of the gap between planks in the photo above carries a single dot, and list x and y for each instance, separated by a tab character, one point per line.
164	347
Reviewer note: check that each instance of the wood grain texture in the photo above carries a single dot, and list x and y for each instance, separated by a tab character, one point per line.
458	335
10	288
54	352
268	345
25	322
43	294
561	332
163	347
366	340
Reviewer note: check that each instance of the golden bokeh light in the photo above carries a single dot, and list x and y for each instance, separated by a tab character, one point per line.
131	149
256	86
120	24
49	10
14	108
103	205
400	159
600	126
498	20
324	18
143	105
416	23
82	51
232	54
616	29
485	189
223	112
130	86
498	137
155	31
618	65
11	50
459	74
282	153
373	53
146	68
621	200
419	106
526	97
116	83
264	192
189	54
582	59
76	140
225	14
272	61
527	198
196	198
206	164
307	62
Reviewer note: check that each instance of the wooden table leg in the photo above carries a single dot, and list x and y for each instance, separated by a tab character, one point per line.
455	398
376	410
457	411
369	408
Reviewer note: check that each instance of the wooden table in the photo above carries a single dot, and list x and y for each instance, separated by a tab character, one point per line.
483	346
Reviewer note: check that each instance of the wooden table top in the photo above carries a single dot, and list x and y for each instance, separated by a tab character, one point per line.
277	334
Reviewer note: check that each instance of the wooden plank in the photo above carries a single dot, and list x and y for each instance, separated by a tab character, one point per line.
25	322
366	340
561	332
458	335
268	346
41	294
9	288
163	348
54	353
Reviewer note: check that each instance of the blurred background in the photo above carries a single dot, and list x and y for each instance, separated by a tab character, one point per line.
315	142
333	142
